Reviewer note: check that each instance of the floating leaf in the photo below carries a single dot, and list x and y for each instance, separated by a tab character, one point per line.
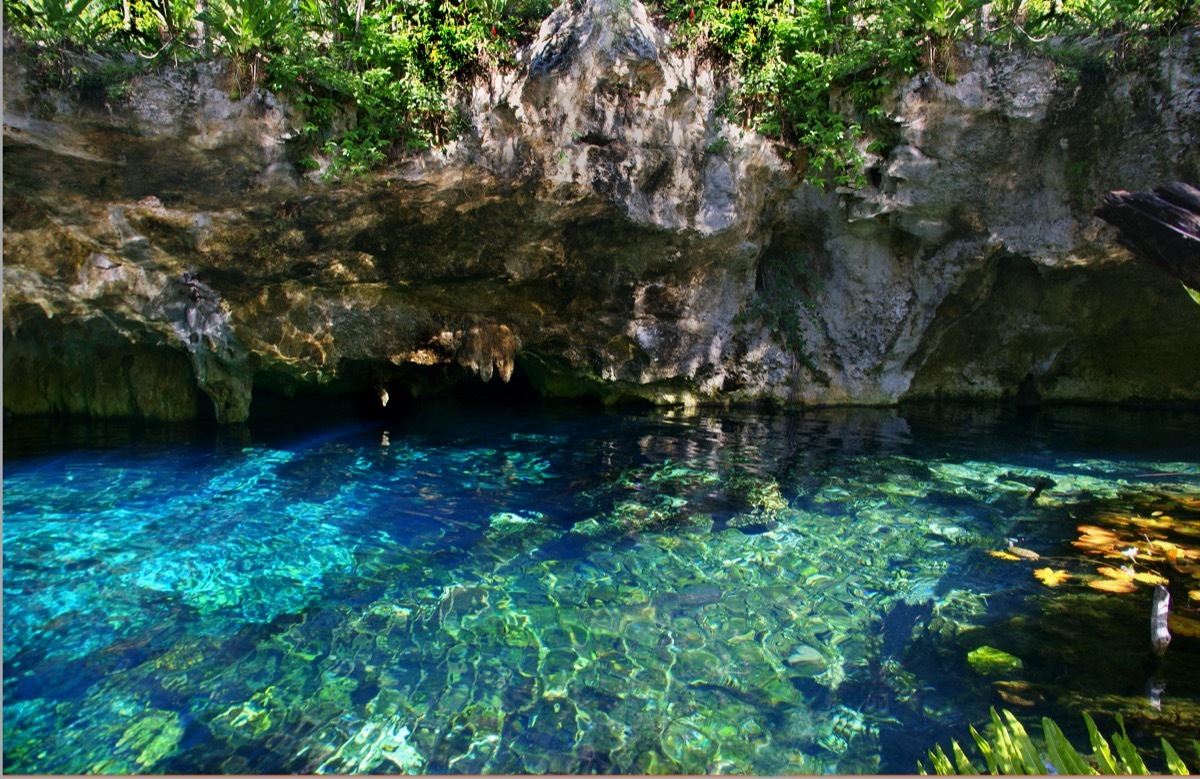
1051	577
1113	585
1148	577
1184	626
1194	594
1163	523
1002	555
1096	540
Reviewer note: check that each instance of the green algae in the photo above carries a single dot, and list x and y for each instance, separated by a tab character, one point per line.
990	661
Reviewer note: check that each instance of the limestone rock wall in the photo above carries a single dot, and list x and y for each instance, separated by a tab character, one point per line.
602	230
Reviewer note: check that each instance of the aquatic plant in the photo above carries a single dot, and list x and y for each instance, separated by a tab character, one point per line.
1008	749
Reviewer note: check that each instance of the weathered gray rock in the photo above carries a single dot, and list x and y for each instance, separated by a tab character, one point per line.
603	231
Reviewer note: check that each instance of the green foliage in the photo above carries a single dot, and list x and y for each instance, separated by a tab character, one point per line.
1008	749
1115	16
158	26
245	29
814	73
373	76
74	23
940	23
1132	23
385	73
796	60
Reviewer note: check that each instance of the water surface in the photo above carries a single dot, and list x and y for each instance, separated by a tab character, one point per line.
545	590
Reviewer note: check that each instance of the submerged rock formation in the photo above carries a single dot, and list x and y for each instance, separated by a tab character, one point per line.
602	230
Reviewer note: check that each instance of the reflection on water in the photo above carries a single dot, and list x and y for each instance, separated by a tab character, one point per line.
548	591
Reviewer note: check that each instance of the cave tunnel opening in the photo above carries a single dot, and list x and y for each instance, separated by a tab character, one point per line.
415	396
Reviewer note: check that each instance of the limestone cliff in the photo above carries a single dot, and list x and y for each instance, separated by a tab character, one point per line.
602	230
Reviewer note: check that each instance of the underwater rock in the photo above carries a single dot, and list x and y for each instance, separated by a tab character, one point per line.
807	661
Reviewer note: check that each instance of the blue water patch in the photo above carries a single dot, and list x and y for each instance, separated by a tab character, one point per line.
587	592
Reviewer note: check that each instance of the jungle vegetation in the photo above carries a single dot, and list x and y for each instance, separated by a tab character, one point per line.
376	78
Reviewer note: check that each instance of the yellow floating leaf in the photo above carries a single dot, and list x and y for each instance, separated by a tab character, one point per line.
1184	626
1149	578
1158	523
1096	540
1119	574
1113	585
1002	555
1194	594
1051	577
1170	551
1098	533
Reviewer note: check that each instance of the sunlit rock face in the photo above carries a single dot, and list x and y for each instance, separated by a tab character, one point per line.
602	230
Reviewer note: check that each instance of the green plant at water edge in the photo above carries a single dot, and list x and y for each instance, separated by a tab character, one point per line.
1008	749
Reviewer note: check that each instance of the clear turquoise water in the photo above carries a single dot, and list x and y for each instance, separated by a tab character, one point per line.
507	591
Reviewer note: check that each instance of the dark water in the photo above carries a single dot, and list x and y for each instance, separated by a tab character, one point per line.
505	591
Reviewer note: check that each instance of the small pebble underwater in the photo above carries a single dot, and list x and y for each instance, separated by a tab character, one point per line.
538	589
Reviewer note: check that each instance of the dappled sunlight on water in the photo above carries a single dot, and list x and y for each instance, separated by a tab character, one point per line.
592	592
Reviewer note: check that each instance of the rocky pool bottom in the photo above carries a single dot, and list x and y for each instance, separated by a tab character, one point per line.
475	590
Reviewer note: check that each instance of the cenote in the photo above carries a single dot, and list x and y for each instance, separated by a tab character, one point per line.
471	588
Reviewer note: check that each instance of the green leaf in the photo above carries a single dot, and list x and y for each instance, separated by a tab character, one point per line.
1192	293
961	761
1131	761
985	748
941	764
1174	762
1065	757
1026	753
1100	749
1006	751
